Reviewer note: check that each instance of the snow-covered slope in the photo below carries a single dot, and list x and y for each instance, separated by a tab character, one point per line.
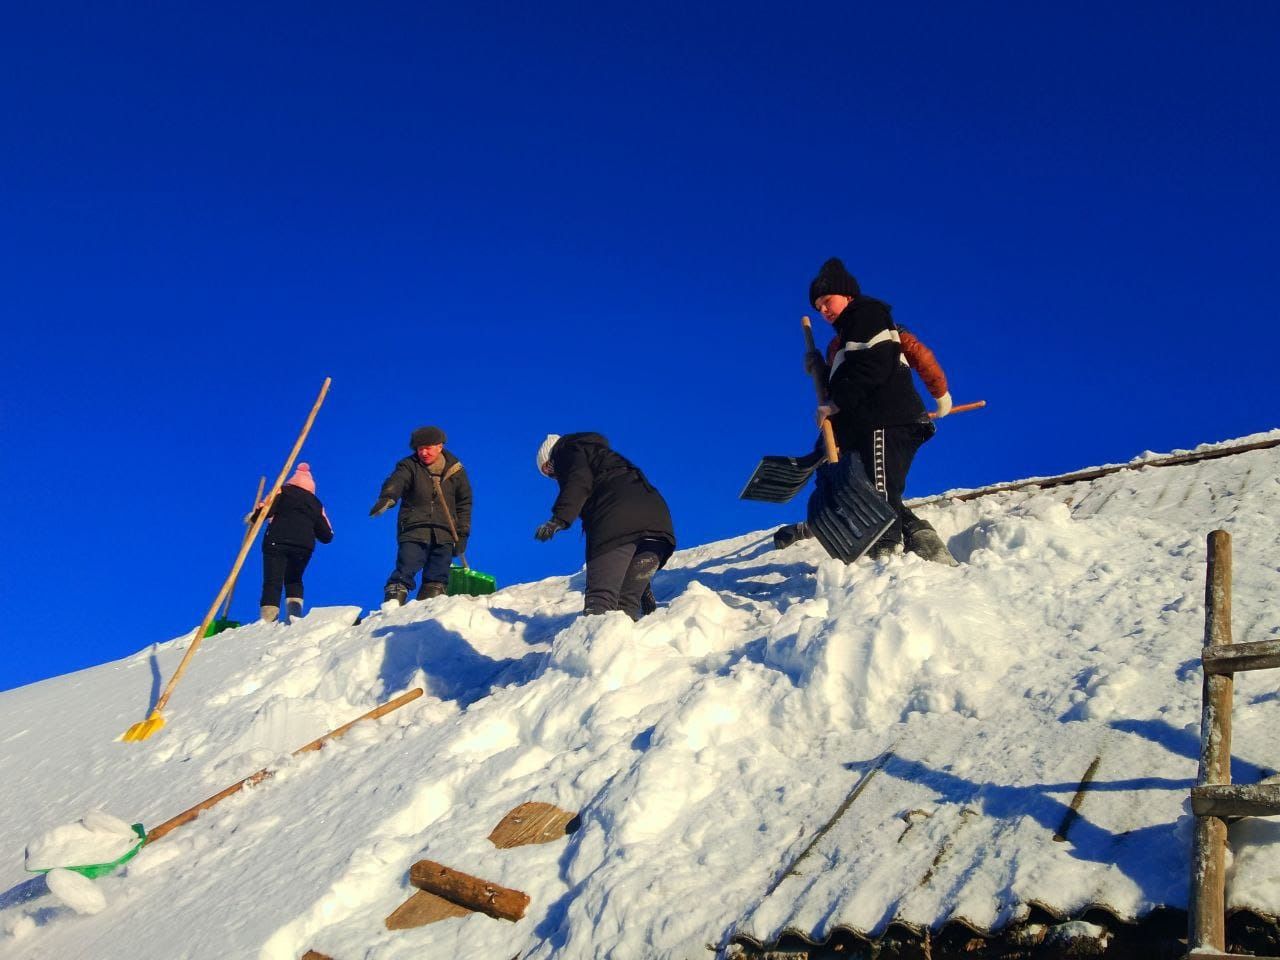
706	748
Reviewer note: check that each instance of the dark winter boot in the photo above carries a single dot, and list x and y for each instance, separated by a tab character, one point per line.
293	606
791	533
884	548
269	613
923	541
648	602
429	590
396	593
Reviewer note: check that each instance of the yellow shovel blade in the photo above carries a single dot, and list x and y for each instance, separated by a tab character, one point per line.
143	728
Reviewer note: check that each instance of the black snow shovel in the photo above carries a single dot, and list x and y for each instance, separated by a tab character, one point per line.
846	513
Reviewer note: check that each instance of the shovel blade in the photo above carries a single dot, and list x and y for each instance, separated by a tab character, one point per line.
465	582
778	479
846	513
144	728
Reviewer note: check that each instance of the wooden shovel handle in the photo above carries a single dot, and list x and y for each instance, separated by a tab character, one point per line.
244	551
186	816
976	405
257	499
448	515
820	384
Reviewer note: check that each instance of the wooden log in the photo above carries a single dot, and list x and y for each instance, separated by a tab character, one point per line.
423	908
1238	657
1206	911
471	892
1236	800
533	822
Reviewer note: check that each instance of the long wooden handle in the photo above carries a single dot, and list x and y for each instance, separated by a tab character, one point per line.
976	405
448	515
186	816
244	550
820	384
257	499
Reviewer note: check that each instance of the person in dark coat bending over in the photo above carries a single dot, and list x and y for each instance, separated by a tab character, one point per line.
433	489
626	521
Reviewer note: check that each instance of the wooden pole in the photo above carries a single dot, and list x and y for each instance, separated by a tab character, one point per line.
186	816
471	892
244	550
820	385
257	499
1206	912
961	408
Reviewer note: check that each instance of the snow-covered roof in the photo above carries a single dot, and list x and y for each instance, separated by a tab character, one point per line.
788	747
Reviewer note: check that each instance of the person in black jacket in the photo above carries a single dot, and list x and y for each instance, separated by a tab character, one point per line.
435	515
873	405
295	522
626	521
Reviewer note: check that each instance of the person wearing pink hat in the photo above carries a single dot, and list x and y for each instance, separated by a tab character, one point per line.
294	524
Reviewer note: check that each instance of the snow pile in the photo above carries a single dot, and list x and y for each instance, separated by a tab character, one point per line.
787	744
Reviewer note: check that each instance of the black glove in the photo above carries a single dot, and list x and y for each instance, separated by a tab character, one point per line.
548	530
460	547
382	506
814	362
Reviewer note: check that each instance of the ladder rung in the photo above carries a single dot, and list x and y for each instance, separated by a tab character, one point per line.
1236	657
1236	800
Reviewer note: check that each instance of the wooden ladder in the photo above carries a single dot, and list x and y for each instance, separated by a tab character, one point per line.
1214	798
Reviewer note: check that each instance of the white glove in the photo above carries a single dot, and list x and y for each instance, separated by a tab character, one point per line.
944	405
825	411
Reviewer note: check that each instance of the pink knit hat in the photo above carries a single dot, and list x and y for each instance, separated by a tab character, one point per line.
302	478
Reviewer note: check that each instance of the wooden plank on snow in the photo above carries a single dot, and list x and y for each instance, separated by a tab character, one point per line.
533	822
423	908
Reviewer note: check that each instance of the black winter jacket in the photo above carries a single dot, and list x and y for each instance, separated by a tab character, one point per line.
296	519
421	520
617	503
870	380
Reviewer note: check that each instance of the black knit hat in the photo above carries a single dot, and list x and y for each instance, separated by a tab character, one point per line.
833	278
426	437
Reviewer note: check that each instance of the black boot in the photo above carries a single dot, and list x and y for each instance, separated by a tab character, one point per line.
923	541
429	590
791	533
395	592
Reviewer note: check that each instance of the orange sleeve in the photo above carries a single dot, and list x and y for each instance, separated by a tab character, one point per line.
924	363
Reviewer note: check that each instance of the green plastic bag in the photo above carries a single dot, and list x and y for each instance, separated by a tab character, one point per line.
95	870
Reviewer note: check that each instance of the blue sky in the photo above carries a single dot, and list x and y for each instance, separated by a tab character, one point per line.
547	218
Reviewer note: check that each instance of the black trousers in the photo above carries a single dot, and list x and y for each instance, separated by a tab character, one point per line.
282	568
433	559
886	455
618	578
